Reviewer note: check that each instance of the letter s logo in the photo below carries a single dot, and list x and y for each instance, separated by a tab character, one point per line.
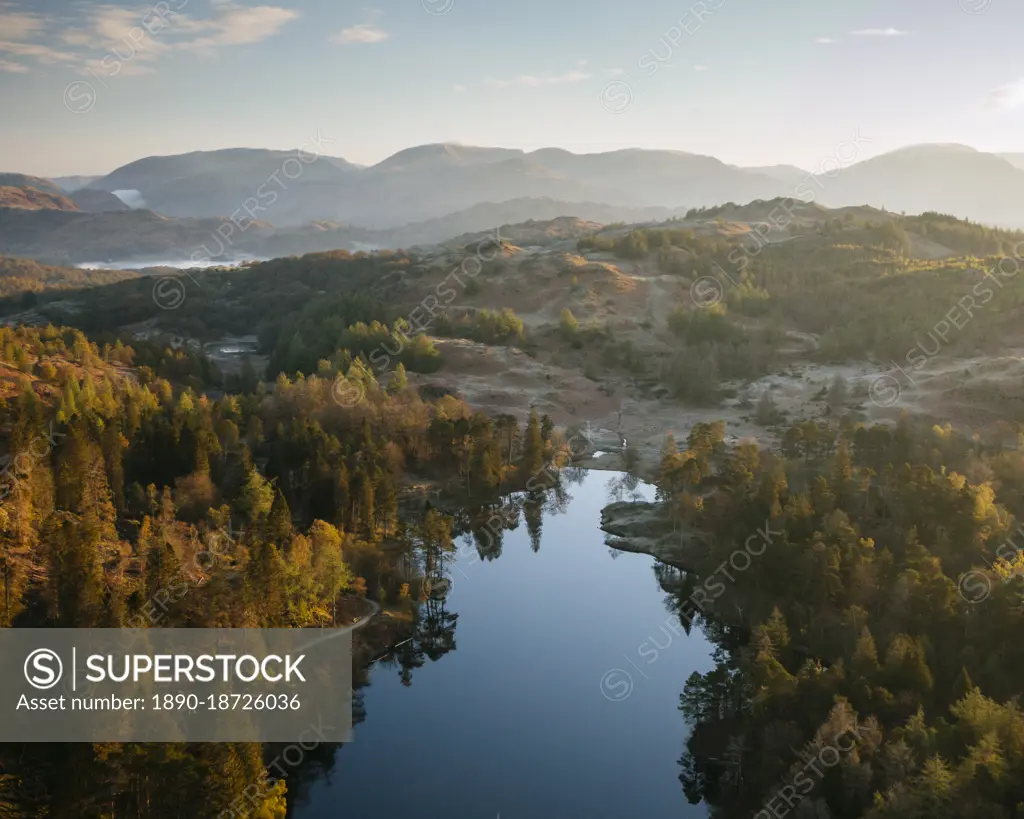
39	668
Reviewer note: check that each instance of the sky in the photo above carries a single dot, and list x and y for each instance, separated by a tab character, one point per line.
86	87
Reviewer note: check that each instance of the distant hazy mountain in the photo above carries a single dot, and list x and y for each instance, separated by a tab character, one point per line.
790	174
1017	160
429	182
220	183
70	184
671	179
445	154
953	179
423	183
430	193
391	194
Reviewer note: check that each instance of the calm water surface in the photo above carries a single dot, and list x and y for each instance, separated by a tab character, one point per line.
539	712
179	264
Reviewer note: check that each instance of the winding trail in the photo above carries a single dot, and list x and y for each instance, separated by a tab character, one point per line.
362	621
334	633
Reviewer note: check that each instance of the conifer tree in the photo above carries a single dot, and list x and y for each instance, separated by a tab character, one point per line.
533	445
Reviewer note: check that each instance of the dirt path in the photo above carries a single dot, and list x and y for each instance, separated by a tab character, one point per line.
334	633
362	621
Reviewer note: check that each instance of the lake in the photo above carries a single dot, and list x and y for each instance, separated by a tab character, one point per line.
178	264
555	703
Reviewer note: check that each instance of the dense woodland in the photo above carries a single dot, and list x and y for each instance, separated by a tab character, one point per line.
274	508
887	598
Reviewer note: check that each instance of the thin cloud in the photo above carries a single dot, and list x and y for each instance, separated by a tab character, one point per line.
42	53
1006	97
613	72
363	33
535	81
109	40
459	88
824	41
241	25
18	32
700	67
19	25
106	32
77	38
879	32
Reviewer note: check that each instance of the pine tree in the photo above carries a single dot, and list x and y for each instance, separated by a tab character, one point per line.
73	573
342	496
547	426
962	685
865	655
265	576
487	468
533	512
842	470
114	445
256	498
399	381
279	521
367	513
533	446
331	574
436	536
386	502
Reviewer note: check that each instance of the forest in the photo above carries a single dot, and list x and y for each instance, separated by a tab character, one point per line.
866	658
275	508
877	624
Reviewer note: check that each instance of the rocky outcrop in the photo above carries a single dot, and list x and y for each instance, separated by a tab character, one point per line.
645	528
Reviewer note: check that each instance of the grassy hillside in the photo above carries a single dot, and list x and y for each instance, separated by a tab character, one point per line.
723	294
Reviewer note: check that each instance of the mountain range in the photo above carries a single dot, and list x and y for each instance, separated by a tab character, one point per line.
431	192
431	181
422	183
